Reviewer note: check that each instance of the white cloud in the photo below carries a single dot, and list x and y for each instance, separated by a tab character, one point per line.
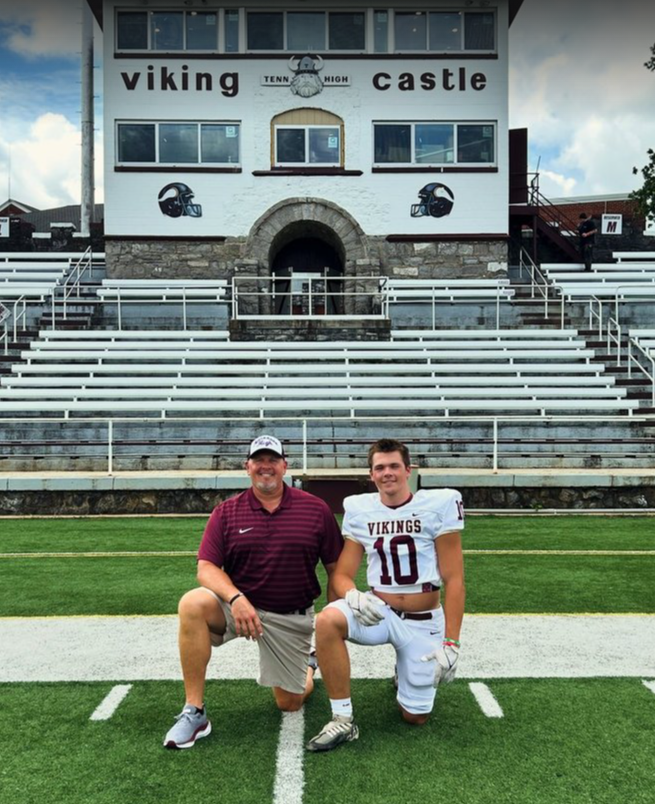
578	83
42	28
556	185
46	164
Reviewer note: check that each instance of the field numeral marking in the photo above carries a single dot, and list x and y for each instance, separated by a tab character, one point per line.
289	774
111	702
486	701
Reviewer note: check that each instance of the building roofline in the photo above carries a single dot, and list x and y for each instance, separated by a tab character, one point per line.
590	199
96	7
514	8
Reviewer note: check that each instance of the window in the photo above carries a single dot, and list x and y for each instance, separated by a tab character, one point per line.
168	30
232	31
306	31
178	143
434	143
437	31
381	31
307	145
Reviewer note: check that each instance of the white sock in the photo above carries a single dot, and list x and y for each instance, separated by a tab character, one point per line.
342	706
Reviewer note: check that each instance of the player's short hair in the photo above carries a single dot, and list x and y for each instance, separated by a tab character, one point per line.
388	445
583	216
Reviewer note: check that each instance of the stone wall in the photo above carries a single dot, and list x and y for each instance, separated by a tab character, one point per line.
199	501
179	259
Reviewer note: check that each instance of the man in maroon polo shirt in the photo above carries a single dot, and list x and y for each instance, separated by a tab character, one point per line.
257	574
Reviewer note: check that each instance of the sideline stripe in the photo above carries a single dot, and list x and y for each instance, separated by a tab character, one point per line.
485	698
650	685
111	702
289	776
194	553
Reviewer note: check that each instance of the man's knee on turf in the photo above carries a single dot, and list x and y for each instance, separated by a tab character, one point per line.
414	719
288	701
197	604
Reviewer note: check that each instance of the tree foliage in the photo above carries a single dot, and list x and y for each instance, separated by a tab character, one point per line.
645	197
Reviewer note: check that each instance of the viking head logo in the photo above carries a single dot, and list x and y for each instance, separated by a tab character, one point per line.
306	82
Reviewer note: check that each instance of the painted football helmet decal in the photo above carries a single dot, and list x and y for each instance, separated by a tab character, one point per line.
175	201
436	200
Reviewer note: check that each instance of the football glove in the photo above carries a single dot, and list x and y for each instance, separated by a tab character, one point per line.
367	608
445	659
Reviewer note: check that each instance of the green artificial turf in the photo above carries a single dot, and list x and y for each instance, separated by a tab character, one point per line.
560	742
53	753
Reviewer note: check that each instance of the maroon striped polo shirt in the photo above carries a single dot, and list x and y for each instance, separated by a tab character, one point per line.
272	557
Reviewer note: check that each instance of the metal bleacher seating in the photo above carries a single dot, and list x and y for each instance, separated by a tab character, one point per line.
197	373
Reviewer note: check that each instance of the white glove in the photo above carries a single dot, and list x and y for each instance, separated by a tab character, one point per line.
367	607
445	659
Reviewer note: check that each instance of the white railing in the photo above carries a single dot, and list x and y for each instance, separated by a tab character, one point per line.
615	336
304	425
539	284
72	282
635	346
310	297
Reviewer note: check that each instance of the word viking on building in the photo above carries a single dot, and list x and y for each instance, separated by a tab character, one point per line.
305	134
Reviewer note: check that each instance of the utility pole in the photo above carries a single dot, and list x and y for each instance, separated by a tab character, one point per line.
88	177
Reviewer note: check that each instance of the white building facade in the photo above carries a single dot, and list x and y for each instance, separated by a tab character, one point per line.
266	136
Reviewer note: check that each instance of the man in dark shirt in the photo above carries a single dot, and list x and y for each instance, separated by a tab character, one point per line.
257	573
587	231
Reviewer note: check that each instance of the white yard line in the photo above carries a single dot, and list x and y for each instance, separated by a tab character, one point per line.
486	700
111	702
289	775
124	649
193	553
650	685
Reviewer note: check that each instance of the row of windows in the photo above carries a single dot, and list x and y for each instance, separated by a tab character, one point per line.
218	144
306	31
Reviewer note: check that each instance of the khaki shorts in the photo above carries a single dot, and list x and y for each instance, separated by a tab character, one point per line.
283	648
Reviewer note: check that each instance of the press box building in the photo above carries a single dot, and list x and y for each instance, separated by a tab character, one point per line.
263	137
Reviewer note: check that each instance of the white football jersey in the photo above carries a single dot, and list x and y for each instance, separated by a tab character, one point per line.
400	542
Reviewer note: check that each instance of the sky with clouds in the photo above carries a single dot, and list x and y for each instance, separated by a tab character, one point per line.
577	82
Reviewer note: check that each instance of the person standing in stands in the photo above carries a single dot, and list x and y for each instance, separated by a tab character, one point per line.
257	574
587	231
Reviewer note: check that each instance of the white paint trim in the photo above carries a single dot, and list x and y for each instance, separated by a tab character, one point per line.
649	685
111	702
289	775
486	701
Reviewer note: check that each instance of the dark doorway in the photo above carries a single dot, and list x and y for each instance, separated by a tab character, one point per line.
306	275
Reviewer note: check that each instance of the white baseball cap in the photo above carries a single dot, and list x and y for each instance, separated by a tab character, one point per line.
266	442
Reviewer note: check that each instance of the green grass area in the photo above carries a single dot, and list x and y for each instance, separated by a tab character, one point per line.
482	532
53	753
560	742
495	583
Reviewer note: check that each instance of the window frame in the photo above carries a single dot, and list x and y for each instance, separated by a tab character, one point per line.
427	10
220	28
455	164
306	128
157	163
285	36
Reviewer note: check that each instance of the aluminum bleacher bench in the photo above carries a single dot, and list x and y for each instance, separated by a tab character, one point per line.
165	283
225	349
440	354
476	334
319	393
349	407
21	278
35	290
604	277
119	335
301	369
632	256
607	290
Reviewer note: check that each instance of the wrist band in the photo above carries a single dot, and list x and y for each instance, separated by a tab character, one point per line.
452	642
236	597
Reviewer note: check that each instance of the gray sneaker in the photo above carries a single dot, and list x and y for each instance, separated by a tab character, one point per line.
339	730
190	726
312	662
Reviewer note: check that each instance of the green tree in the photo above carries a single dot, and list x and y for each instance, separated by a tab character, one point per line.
645	197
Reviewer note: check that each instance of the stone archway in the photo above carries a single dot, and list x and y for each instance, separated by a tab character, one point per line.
337	227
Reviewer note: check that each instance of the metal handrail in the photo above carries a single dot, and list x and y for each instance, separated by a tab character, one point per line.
617	339
631	358
535	274
304	425
73	281
538	199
